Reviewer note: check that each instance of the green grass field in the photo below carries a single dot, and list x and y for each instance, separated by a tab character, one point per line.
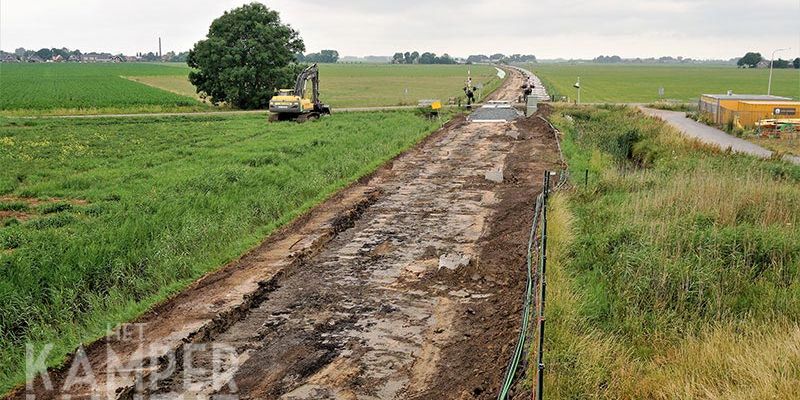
372	85
101	218
85	88
640	83
139	87
365	85
675	273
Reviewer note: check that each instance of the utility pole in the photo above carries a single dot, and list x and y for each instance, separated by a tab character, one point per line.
771	61
577	85
159	48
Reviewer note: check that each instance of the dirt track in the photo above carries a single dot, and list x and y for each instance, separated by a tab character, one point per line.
405	285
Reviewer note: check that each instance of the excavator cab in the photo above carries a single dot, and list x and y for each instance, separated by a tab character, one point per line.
294	104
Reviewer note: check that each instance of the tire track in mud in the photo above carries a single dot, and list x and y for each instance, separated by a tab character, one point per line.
405	285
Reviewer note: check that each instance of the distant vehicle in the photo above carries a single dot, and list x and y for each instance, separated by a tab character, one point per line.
292	104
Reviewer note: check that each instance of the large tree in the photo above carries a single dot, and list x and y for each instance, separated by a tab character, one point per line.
750	60
796	63
247	54
45	54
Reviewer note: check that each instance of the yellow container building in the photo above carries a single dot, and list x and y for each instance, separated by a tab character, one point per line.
750	112
723	107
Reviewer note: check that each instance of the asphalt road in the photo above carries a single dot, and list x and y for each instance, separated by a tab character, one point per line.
712	135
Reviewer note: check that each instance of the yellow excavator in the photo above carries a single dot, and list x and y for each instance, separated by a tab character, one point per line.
293	105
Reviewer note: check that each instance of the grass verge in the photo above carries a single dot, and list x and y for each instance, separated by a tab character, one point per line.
674	273
782	145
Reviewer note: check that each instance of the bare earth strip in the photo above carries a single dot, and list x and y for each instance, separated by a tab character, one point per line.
179	85
407	284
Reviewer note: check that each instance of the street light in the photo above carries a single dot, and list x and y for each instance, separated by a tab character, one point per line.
772	60
577	85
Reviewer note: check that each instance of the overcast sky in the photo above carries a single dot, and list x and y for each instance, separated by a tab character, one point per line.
546	28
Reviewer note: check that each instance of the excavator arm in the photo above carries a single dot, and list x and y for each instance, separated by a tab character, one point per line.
310	73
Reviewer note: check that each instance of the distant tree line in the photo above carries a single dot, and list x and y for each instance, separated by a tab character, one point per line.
46	54
750	60
615	59
529	58
414	57
76	55
753	59
169	56
502	58
324	56
608	59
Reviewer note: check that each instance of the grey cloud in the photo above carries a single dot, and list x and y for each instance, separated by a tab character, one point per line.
549	28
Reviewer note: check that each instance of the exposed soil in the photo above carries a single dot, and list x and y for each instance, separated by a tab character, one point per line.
512	87
408	284
19	215
33	202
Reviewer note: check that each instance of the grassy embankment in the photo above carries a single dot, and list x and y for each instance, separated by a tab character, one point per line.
623	83
674	274
789	144
100	219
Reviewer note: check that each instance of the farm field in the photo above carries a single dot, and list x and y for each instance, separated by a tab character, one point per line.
674	272
122	88
101	218
371	85
366	85
87	88
602	83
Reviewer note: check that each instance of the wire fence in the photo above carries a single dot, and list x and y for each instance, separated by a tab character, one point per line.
513	363
536	254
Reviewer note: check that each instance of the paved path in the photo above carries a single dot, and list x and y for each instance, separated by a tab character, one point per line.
712	135
539	91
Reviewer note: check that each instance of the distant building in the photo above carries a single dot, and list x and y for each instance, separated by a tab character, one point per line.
746	109
34	59
763	64
75	58
9	58
57	58
98	57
